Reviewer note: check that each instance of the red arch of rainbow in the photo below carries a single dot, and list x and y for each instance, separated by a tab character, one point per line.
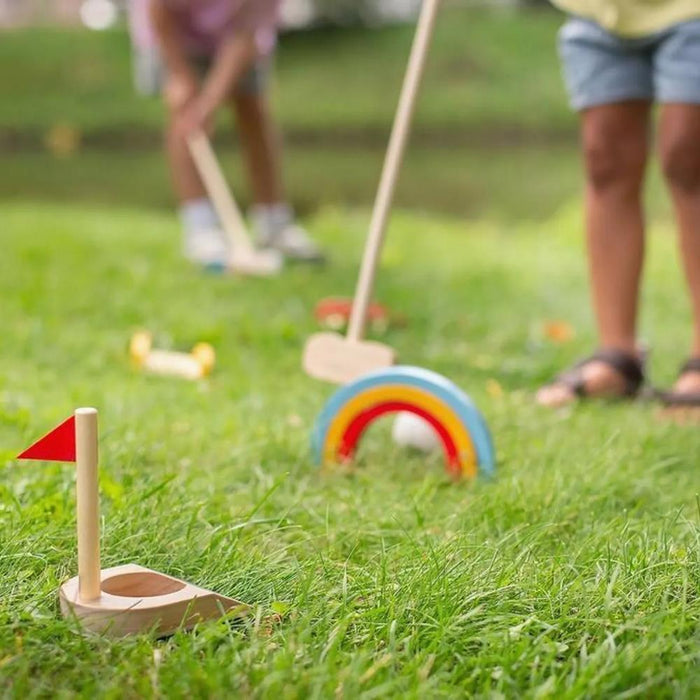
354	431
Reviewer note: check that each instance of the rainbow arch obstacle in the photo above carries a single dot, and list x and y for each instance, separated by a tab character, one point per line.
462	430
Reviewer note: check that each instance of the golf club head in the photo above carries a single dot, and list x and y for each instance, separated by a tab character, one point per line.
333	358
256	263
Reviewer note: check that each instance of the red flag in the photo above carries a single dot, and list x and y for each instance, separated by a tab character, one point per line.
57	446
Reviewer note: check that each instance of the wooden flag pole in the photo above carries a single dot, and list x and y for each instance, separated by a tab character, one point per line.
88	505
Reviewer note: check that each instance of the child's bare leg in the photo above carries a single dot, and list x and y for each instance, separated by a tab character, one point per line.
679	137
261	147
616	147
615	143
273	218
203	241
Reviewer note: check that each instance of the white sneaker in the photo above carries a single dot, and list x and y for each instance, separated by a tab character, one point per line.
294	243
207	247
275	228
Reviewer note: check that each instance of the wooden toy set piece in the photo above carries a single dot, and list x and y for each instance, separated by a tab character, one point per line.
334	313
194	365
245	259
462	430
339	359
125	599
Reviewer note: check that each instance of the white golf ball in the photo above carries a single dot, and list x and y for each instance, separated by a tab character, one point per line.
410	430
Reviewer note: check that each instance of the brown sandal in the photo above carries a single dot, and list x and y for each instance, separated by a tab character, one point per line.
629	367
675	399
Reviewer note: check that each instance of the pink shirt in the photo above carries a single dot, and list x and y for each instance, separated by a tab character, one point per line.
204	23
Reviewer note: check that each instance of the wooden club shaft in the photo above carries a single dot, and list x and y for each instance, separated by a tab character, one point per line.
392	166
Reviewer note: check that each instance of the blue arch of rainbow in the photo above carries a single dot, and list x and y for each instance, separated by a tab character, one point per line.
463	432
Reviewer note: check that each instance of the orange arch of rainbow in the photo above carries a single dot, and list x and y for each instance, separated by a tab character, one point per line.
463	432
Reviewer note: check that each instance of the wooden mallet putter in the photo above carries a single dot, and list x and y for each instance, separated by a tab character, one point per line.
245	259
330	356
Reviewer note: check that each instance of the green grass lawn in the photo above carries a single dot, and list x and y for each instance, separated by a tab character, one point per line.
575	572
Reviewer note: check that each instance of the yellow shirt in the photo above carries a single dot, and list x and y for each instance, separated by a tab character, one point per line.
633	18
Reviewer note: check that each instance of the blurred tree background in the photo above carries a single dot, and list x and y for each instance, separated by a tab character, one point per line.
493	132
301	11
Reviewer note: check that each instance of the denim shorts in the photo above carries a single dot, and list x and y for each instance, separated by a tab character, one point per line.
603	68
149	73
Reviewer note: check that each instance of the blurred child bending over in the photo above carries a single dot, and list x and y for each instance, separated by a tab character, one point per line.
212	54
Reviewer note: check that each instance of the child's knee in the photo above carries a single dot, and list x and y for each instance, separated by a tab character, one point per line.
613	163
680	160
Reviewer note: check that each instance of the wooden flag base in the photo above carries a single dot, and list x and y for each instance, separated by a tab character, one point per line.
136	600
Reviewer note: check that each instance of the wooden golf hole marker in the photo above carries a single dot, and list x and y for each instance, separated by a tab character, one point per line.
125	599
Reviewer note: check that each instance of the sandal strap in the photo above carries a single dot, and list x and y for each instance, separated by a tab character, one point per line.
691	366
629	367
674	399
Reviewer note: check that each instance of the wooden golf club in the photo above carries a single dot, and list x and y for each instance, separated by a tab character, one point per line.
244	258
339	359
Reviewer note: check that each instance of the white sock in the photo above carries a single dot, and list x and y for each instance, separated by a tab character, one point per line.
198	214
270	219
